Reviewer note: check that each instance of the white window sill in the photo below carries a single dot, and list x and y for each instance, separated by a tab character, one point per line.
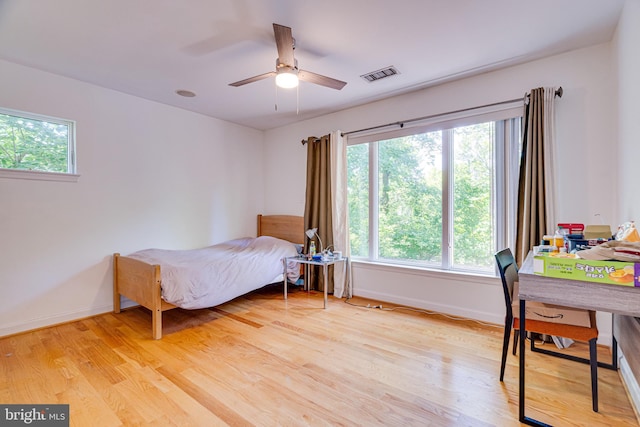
38	175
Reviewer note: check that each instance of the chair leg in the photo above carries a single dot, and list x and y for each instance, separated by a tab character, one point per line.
508	322
516	335
532	341
593	357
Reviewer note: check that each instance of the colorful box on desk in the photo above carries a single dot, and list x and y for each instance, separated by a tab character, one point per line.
609	272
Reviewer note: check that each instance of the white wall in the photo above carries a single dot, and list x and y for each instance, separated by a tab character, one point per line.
628	125
627	63
586	151
151	176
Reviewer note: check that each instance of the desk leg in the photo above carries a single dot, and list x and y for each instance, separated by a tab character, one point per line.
521	402
523	335
325	269
307	277
345	282
284	264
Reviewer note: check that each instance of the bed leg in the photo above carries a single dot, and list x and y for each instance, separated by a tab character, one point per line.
156	319
116	302
116	294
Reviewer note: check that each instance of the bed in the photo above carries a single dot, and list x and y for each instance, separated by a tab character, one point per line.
139	276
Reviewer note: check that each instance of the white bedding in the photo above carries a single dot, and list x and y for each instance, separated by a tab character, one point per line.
200	278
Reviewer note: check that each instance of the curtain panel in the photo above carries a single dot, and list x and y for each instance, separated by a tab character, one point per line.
318	211
340	208
326	206
536	195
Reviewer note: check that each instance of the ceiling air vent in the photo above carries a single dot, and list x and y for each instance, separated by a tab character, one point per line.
380	74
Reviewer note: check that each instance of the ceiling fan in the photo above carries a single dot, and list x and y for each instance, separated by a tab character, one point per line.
287	73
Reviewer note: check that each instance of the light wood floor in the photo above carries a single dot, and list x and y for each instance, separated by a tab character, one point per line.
259	360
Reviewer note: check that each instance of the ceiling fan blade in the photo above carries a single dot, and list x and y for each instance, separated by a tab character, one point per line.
253	79
318	79
284	42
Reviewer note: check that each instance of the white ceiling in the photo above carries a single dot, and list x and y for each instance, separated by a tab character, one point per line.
151	48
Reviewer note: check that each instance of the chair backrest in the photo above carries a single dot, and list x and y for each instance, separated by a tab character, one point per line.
509	274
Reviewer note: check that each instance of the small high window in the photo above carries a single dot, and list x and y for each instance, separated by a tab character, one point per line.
36	147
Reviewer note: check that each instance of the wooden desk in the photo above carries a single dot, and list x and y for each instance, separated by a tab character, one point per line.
573	293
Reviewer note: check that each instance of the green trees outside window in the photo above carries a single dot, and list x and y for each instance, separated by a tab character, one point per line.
36	144
432	201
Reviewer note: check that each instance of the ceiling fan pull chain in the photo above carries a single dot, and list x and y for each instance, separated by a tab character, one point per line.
276	86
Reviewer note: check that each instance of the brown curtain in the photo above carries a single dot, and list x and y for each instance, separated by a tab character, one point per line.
318	201
532	218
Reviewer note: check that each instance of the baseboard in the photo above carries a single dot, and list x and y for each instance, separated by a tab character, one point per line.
44	322
604	339
431	306
630	383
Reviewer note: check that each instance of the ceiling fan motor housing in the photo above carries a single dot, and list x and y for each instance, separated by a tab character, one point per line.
284	68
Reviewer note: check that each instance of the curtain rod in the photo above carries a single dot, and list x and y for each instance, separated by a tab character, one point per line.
304	141
559	93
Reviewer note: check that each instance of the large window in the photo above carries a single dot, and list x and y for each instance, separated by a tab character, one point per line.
30	142
441	195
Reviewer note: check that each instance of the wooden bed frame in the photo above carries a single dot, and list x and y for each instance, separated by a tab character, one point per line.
141	282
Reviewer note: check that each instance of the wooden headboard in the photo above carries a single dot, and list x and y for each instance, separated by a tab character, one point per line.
285	227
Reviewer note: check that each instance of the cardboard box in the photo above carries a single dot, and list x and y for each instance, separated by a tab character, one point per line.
609	272
550	313
597	232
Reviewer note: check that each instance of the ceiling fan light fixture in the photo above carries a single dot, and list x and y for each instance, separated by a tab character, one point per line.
287	79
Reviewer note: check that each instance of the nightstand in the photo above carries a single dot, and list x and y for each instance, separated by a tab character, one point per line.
324	263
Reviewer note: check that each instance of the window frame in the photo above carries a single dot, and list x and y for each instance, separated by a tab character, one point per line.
71	175
504	190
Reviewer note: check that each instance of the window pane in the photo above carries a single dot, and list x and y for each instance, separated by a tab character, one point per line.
410	198
358	194
31	144
440	199
473	229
